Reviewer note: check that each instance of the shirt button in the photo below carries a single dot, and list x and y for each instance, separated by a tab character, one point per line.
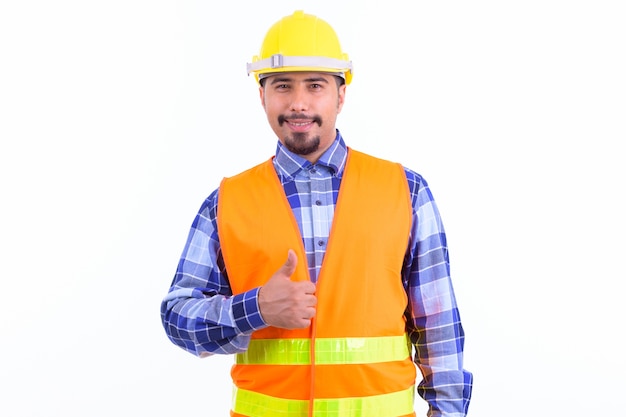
320	243
318	202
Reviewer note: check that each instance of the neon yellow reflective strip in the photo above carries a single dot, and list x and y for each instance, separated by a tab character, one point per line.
328	351
276	352
395	404
361	350
253	404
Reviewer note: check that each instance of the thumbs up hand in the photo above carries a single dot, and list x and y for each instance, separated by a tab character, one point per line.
285	303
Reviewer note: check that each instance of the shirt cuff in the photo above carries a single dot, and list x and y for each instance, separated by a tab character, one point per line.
246	313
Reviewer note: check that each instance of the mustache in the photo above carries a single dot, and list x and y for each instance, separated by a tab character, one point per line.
298	116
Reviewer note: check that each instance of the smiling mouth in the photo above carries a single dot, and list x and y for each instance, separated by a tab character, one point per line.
296	120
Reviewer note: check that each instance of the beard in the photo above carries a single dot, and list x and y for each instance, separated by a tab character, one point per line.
301	143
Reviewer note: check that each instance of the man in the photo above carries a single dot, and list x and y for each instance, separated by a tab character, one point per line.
322	267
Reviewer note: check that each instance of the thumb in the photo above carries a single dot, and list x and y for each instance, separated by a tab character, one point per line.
290	265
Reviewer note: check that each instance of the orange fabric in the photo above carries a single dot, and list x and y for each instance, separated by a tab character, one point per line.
252	211
359	290
342	381
250	377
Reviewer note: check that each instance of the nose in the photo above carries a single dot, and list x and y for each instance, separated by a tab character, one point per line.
299	99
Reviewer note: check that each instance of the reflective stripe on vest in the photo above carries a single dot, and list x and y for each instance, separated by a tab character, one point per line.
385	405
328	351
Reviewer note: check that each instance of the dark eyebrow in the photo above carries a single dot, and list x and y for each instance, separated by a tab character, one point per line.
316	80
278	80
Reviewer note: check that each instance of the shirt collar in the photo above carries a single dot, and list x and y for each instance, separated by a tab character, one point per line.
289	164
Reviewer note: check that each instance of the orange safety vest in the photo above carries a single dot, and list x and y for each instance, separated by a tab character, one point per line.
355	358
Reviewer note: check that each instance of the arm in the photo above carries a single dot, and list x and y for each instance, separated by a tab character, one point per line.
199	313
433	321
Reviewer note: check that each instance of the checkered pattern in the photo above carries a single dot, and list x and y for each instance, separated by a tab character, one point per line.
201	315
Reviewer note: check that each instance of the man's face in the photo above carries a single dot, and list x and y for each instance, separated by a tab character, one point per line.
302	108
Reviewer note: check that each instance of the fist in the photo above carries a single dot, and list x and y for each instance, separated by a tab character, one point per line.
285	303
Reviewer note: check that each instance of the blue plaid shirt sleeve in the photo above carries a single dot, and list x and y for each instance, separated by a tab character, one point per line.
433	320
199	312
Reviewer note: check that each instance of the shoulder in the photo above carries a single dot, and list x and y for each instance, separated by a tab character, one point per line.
253	171
415	180
372	163
208	209
411	175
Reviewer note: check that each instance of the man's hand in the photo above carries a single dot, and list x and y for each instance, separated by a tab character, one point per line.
285	303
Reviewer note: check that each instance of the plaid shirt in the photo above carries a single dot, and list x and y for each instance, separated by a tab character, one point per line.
201	315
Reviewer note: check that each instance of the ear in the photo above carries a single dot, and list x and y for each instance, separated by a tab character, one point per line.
262	96
342	97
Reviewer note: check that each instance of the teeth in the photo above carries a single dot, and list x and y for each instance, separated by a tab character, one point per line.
300	124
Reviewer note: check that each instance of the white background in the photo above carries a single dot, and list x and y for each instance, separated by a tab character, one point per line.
117	119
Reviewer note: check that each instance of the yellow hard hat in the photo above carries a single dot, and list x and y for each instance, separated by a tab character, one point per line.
301	42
